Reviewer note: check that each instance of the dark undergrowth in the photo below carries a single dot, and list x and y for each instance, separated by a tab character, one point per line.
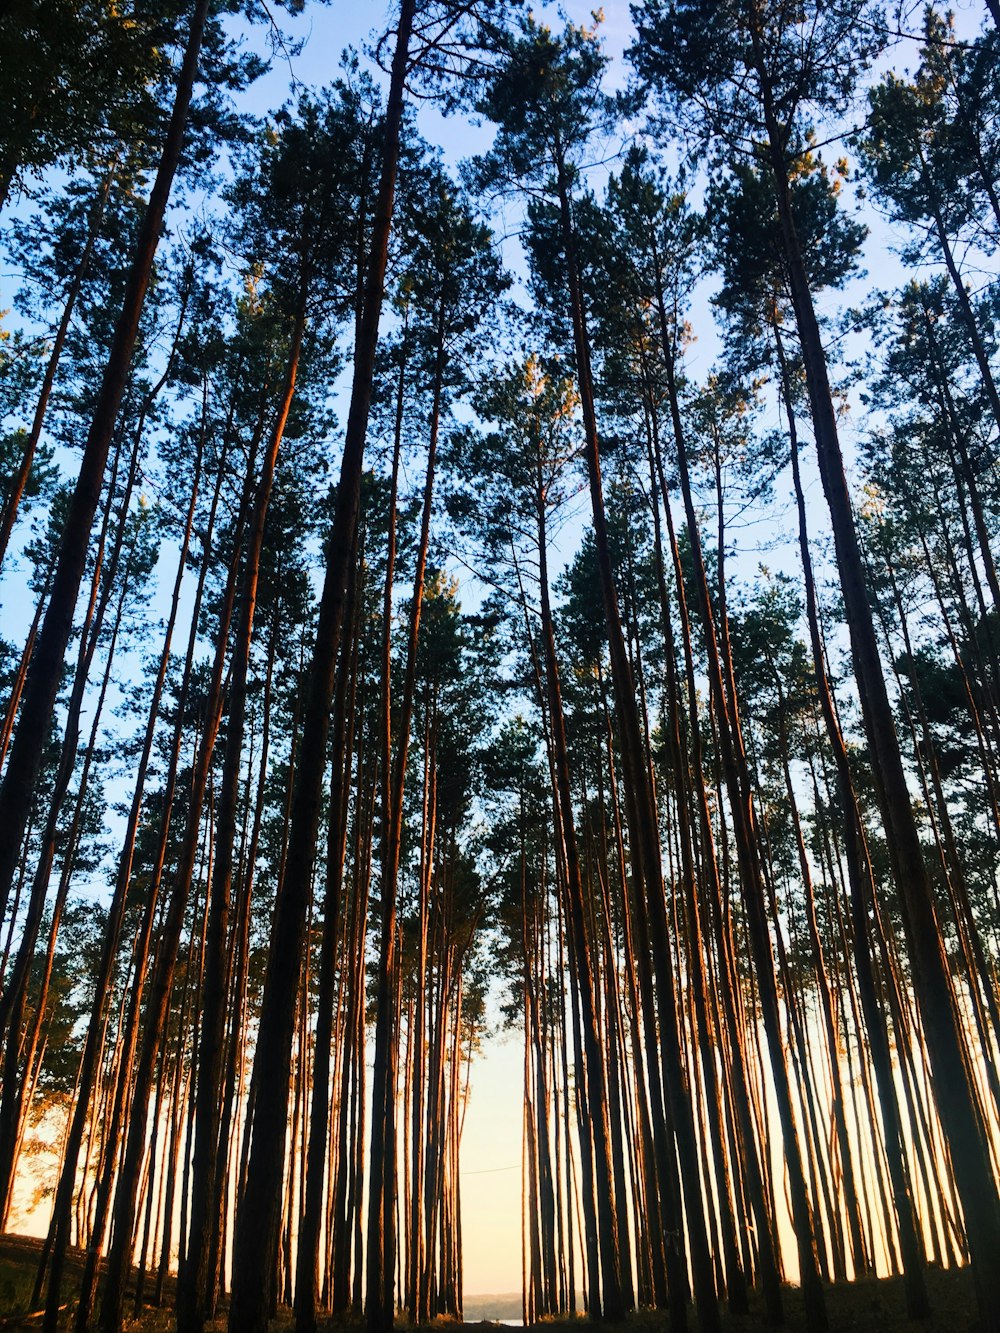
871	1305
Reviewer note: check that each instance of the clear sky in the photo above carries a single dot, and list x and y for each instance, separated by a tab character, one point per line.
491	1169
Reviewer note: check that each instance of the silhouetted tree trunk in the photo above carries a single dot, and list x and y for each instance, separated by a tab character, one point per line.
862	895
640	807
259	1217
193	1286
50	648
15	490
306	1279
952	1084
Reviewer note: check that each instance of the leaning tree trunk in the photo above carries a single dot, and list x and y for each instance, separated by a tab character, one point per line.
17	1080
42	685
8	517
62	1206
964	1129
103	585
155	1014
640	808
961	294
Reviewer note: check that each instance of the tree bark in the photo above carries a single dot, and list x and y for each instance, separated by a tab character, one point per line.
259	1217
43	676
967	1136
193	1284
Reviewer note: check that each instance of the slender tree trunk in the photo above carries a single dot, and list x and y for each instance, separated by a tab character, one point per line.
967	1136
862	891
735	1277
382	1180
15	490
14	697
94	1041
104	582
259	1217
739	792
43	677
596	1076
193	1286
306	1279
161	981
640	807
964	303
16	1079
828	1008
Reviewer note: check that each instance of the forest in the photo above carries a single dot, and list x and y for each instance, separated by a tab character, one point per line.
498	538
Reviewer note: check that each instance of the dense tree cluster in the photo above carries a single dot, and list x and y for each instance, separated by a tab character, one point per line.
387	649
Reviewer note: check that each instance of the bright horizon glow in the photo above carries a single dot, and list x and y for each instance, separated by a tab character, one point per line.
491	1169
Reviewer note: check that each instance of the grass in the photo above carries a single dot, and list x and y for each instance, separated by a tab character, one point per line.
16	1281
872	1305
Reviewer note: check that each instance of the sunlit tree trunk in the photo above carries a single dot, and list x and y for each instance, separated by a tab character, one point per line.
259	1217
952	1085
862	897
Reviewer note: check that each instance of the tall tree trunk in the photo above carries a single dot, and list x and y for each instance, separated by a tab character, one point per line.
961	292
610	1291
105	580
740	796
43	677
967	1136
16	690
259	1217
15	491
193	1286
155	1014
640	808
306	1278
862	894
382	1158
676	745
17	1079
94	1041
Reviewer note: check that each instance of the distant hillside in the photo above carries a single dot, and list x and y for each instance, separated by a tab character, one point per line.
506	1306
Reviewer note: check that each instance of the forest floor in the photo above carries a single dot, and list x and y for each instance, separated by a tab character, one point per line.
872	1305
